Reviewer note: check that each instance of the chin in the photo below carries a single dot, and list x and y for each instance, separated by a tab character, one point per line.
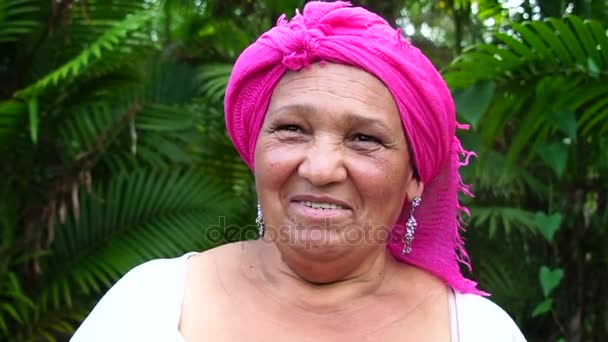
319	266
320	241
318	250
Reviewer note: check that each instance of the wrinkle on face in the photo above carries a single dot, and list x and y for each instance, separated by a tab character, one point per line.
357	91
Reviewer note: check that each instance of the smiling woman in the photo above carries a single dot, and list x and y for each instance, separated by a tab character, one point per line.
332	164
350	133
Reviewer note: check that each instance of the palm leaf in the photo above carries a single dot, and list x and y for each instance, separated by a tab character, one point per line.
12	115
506	218
112	45
130	219
13	24
545	67
213	79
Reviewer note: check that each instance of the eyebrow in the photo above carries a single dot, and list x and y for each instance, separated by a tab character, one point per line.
353	118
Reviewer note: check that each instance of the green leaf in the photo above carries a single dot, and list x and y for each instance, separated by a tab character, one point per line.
550	279
543	307
472	102
149	214
516	45
594	70
586	38
116	34
505	56
555	155
11	114
3	325
565	121
548	225
532	38
599	34
7	307
32	106
12	24
570	40
555	44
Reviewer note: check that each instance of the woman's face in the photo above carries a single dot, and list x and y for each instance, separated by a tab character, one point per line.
332	166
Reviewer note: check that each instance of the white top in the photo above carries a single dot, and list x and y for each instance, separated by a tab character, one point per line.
145	305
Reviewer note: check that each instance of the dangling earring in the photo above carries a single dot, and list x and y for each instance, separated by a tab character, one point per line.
259	221
410	227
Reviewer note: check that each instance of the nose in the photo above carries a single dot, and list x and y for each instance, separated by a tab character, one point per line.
323	164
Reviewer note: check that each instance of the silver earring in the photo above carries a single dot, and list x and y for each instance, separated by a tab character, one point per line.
410	227
259	221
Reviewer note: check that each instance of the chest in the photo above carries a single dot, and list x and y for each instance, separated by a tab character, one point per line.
231	318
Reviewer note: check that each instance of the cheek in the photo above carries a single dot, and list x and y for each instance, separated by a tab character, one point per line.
274	163
382	186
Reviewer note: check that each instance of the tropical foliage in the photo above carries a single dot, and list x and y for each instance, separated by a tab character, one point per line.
535	97
114	152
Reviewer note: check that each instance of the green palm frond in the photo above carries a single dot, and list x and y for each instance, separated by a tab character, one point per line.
161	117
157	131
82	130
536	48
495	178
168	82
166	134
103	110
491	9
510	284
130	219
14	21
12	115
67	37
15	302
92	10
503	264
218	158
122	39
213	79
51	325
115	50
507	218
163	136
543	70
159	136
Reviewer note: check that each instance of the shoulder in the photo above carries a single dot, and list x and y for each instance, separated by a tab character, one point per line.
227	256
210	270
147	298
480	319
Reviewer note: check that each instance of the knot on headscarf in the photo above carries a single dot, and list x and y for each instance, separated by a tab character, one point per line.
337	33
297	39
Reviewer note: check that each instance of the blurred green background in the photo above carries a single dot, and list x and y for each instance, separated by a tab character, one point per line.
114	151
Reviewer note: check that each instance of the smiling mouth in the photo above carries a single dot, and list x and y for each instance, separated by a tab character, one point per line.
320	205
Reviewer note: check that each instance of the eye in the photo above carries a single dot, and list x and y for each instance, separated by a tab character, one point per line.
366	138
365	142
289	128
289	132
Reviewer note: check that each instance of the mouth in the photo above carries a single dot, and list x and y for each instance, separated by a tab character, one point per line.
320	205
320	208
321	202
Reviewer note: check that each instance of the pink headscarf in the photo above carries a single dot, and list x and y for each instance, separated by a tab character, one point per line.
337	33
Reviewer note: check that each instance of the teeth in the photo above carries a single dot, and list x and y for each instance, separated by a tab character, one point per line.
321	205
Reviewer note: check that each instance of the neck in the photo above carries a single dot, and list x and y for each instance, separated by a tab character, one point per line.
293	280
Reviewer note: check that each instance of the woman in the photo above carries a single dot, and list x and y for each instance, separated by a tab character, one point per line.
350	132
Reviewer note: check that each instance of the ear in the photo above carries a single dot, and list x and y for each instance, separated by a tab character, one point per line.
415	188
